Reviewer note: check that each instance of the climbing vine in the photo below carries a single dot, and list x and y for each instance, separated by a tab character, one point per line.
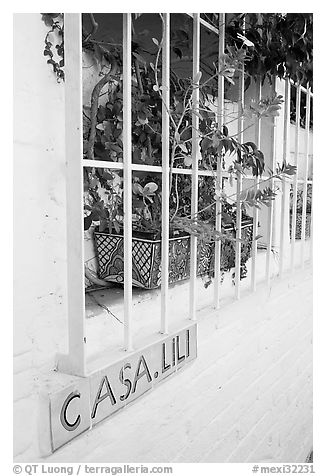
54	43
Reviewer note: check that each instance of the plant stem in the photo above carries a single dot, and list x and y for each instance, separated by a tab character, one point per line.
94	107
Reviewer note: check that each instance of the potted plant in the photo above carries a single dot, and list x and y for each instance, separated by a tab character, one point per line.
103	125
108	237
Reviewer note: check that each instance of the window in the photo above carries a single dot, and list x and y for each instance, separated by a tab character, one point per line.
193	38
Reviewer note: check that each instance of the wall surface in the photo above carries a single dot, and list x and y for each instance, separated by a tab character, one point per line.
247	397
39	225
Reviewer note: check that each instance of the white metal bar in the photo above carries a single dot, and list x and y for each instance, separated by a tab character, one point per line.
218	186
75	362
195	157
305	188
165	172
302	88
204	23
239	184
270	213
286	143
295	177
102	164
255	210
311	232
307	181
127	181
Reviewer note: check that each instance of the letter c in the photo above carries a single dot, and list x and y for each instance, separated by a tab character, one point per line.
63	414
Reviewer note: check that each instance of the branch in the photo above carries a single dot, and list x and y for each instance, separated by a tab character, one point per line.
139	81
210	205
94	107
94	27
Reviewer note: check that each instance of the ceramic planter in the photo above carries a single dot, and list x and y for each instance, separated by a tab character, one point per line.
146	257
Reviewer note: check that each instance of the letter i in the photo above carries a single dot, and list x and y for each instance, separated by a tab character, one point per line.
187	344
173	352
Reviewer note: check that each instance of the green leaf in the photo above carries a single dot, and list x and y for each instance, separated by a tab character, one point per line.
137	189
183	147
88	221
140	58
116	226
206	143
150	188
107	176
142	119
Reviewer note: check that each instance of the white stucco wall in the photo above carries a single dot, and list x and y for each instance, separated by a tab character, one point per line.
39	224
302	151
246	397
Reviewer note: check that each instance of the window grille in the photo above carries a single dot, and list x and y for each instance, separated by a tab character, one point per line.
75	361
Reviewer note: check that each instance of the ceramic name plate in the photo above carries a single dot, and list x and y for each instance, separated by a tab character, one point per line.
81	405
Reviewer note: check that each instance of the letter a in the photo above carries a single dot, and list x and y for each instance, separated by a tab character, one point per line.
99	398
139	374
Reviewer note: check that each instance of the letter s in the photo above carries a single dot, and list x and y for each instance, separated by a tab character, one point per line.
125	381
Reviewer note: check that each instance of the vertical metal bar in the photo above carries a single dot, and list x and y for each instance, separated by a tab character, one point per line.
286	126
218	185
271	208
239	184
195	156
75	362
165	171
311	232
295	177
255	210
305	185
127	181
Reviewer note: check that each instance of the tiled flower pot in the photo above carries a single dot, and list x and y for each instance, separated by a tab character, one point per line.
146	257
